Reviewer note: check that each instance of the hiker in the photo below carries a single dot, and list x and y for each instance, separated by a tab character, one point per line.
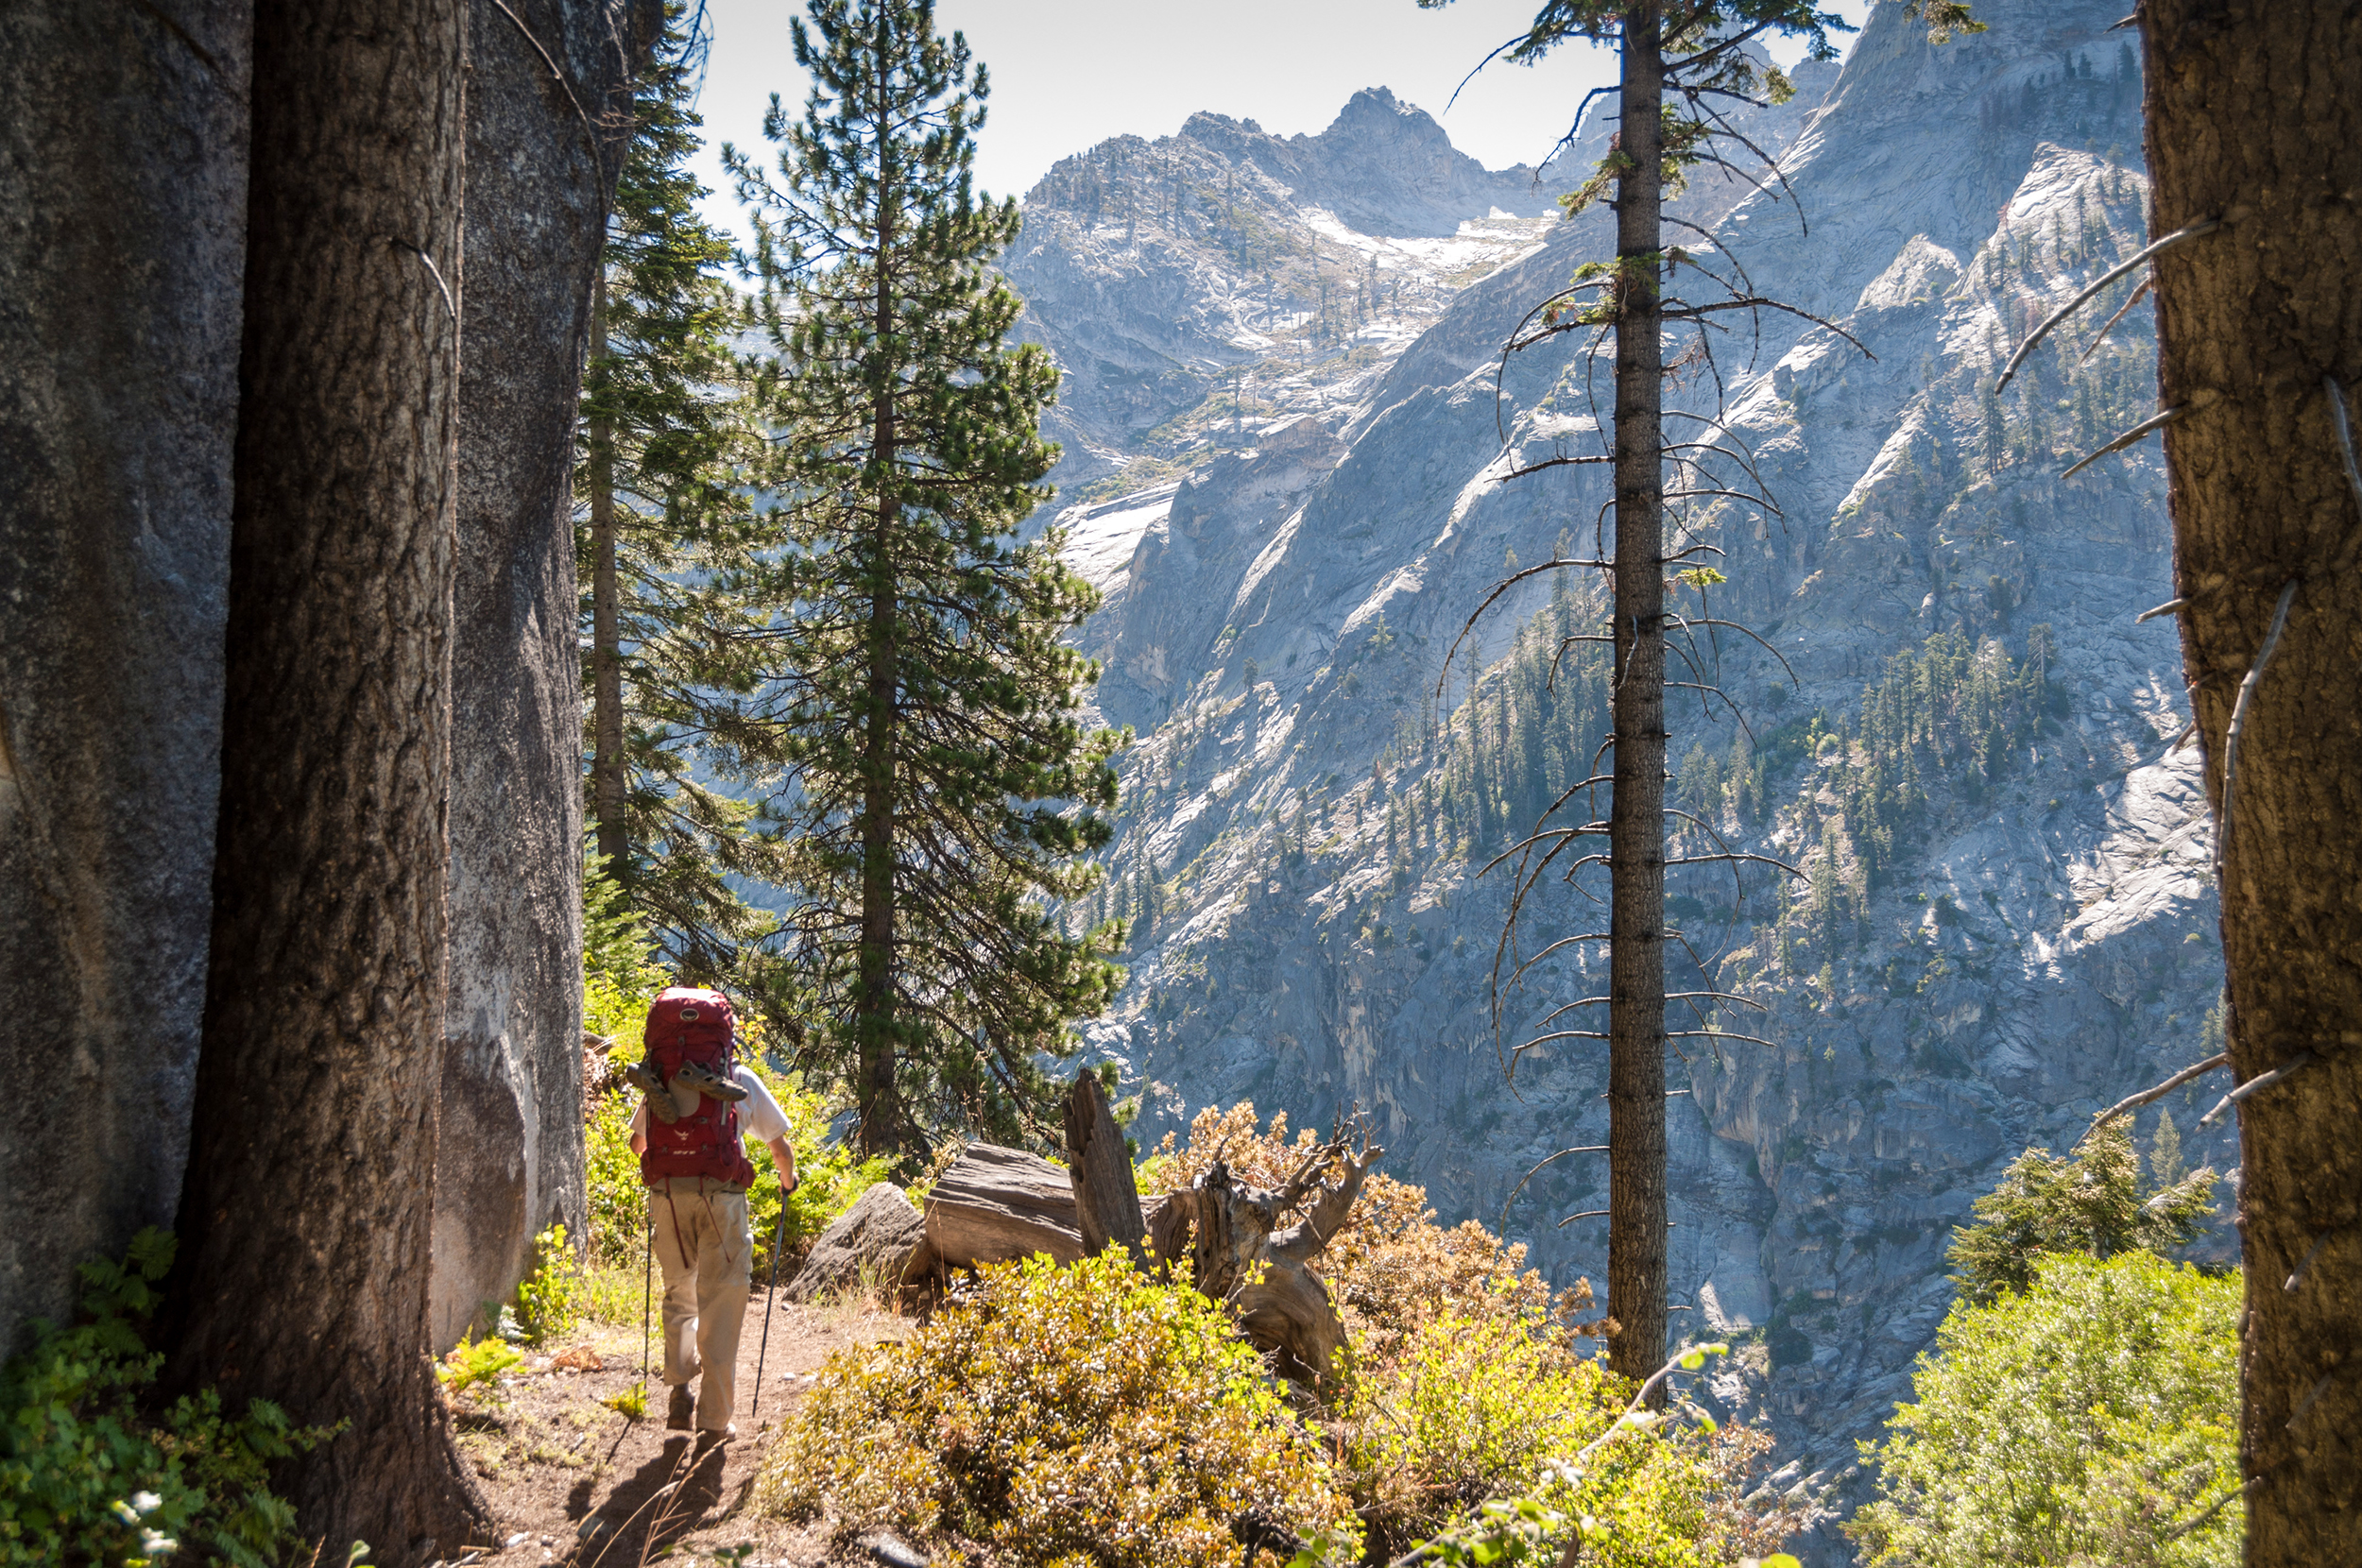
693	1161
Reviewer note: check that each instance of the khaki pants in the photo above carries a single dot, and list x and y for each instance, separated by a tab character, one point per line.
706	1249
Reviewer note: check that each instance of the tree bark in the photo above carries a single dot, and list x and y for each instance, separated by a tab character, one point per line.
122	251
884	1128
1635	1051
510	1154
305	1219
1106	1195
2254	115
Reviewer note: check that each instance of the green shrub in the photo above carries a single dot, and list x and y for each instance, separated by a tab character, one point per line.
1067	1416
554	1299
2089	1201
88	1478
474	1366
2091	1418
1480	1410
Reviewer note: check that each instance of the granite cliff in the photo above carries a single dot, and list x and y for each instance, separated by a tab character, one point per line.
1289	423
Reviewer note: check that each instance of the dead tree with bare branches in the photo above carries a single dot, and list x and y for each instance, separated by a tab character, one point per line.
1243	1251
1681	67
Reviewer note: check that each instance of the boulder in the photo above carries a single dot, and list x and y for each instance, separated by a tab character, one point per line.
881	1233
994	1204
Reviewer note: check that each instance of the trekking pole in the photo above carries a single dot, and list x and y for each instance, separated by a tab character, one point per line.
778	1244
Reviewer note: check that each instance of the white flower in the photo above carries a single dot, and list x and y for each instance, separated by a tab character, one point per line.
125	1512
147	1502
158	1546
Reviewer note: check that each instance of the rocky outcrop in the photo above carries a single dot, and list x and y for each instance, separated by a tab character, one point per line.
508	1158
881	1240
121	258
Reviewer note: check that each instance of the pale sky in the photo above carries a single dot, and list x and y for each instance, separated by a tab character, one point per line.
1067	74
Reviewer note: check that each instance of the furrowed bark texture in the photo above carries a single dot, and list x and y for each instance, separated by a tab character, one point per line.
542	158
123	161
304	1220
2255	111
884	1128
1636	1066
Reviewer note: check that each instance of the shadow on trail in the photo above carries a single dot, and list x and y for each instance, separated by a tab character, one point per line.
663	1500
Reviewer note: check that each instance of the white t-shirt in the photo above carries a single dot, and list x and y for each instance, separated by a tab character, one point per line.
758	1116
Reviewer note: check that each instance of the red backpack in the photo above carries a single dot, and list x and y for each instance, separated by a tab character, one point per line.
687	1025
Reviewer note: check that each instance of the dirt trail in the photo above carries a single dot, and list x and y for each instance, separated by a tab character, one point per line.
573	1482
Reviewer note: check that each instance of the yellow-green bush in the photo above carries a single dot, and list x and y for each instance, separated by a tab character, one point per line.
1059	1416
1475	1410
552	1299
2093	1418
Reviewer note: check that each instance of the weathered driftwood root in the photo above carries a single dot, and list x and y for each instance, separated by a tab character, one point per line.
1239	1254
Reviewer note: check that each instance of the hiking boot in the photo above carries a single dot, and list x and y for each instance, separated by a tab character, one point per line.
680	1415
710	1436
644	1076
694	1075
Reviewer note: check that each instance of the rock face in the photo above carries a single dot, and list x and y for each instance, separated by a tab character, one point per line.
508	1157
882	1235
2003	918
121	260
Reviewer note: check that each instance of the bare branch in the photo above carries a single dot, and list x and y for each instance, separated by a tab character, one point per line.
2169	607
2260	1082
1500	1226
2179	236
2239	720
2155	421
2121	311
2133	1102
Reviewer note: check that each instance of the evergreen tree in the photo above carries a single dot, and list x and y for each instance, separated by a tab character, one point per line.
943	788
1676	61
661	532
2088	1200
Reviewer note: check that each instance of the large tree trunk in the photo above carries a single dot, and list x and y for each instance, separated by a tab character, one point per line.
304	1221
2255	115
540	178
123	163
1635	1016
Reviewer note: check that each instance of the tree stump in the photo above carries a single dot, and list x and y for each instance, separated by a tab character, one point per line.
1107	1198
1239	1255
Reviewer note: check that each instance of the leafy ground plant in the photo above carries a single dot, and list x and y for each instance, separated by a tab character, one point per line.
88	1478
2090	1418
474	1367
1059	1416
1482	1409
551	1300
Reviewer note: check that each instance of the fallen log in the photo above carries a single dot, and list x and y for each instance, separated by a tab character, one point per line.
994	1204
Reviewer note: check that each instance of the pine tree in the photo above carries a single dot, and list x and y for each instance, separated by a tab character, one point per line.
943	787
1676	61
661	534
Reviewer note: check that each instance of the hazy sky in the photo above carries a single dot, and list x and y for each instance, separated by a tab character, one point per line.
1067	74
